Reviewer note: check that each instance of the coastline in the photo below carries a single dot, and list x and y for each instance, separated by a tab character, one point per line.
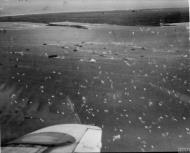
134	17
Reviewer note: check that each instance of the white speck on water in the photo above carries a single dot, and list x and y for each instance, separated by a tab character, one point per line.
119	101
41	87
92	60
127	63
139	138
106	110
142	97
185	56
160	118
160	103
120	130
174	119
116	137
83	86
83	99
62	113
105	101
102	82
13	96
110	32
180	136
54	72
42	120
150	103
152	146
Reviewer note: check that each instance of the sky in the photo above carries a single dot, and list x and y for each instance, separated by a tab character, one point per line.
15	7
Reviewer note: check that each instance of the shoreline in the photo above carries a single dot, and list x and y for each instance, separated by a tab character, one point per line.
93	11
134	17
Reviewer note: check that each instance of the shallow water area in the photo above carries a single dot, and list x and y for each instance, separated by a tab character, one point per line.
132	81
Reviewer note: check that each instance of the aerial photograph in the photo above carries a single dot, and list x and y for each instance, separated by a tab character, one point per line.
94	76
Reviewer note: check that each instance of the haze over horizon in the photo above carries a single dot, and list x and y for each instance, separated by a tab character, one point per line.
12	7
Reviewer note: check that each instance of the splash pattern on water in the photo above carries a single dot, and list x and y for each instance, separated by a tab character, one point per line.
139	94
